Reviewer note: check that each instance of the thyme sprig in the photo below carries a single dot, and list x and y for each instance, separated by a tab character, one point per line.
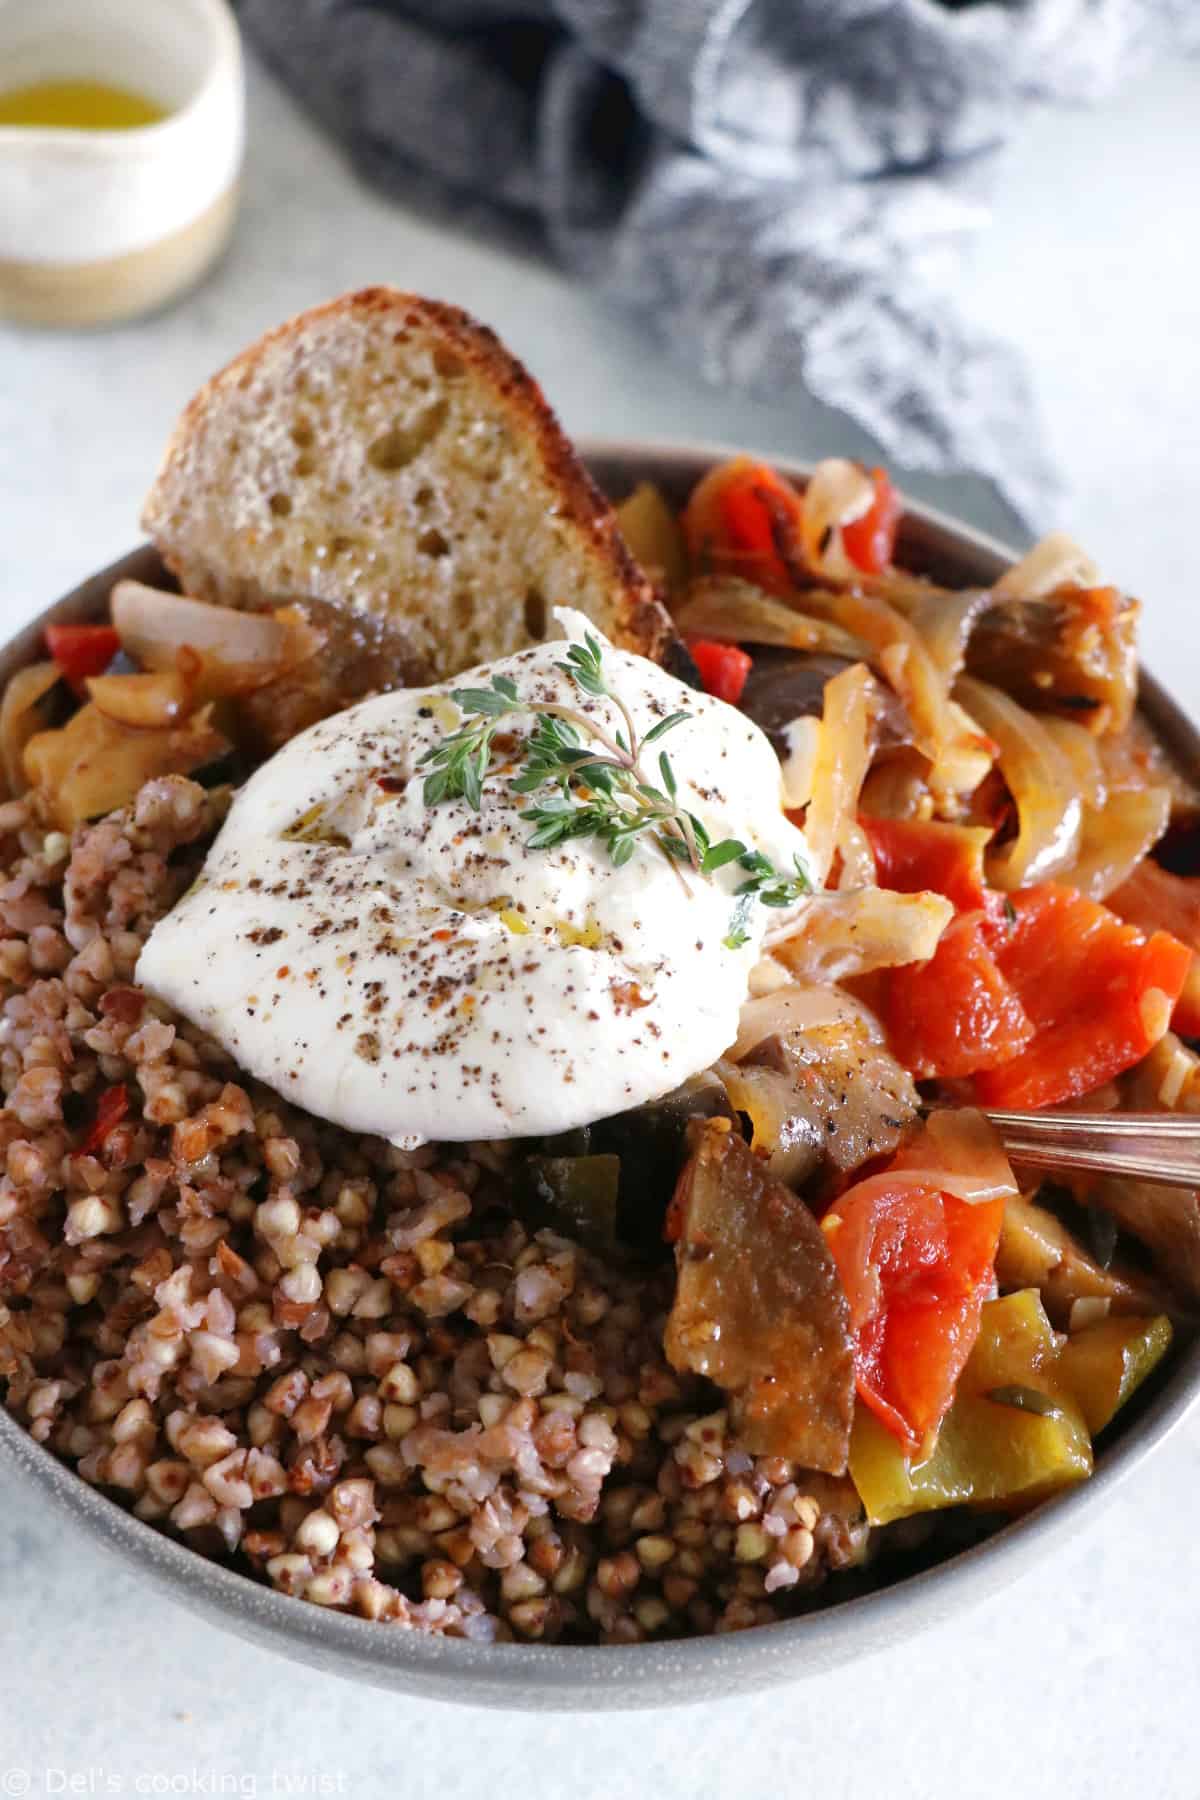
599	785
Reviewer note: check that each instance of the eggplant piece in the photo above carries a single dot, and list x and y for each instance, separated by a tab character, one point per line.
1165	1219
1073	652
783	1125
1037	1250
230	770
759	1307
784	685
650	1142
857	1100
359	657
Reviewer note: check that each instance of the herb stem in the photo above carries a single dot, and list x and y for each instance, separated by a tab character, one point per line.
610	796
630	727
588	725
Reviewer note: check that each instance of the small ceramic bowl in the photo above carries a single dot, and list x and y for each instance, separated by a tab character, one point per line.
99	226
543	1677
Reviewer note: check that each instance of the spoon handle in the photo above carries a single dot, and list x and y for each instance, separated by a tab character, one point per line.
1163	1147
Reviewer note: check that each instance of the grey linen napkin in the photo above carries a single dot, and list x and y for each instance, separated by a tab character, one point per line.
780	189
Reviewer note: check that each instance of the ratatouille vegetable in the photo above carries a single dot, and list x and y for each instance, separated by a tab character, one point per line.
865	1294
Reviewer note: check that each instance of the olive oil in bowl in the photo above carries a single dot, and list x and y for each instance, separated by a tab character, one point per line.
78	106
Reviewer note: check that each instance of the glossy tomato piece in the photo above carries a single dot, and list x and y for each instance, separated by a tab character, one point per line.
916	1265
1100	994
1155	899
915	856
955	1014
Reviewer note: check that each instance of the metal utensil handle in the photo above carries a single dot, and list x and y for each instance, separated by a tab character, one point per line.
1163	1147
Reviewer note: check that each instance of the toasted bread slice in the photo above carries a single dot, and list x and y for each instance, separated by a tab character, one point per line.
386	453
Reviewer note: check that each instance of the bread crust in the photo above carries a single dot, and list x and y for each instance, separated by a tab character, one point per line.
641	622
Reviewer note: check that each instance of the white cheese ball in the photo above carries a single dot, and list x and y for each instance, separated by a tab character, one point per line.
419	972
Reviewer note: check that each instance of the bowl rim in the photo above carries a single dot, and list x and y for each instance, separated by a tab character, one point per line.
650	1674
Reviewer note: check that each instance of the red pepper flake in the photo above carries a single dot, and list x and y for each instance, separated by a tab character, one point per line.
283	971
628	996
110	1110
443	936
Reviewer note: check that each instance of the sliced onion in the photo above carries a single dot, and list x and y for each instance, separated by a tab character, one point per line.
1082	751
1056	561
768	976
945	619
838	492
1166	1079
800	1006
20	719
898	787
852	932
857	859
966	759
738	612
799	766
94	765
898	650
144	702
241	650
842	760
1117	836
1042	783
960	1152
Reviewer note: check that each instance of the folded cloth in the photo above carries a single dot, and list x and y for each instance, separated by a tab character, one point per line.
778	188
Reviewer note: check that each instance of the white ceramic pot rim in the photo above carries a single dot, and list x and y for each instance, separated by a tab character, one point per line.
223	60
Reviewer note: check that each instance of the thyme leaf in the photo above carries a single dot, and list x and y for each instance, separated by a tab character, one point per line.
597	785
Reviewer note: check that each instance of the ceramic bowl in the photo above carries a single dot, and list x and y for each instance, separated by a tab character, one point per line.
99	226
547	1677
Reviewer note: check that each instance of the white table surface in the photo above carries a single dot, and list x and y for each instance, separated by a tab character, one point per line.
1083	1679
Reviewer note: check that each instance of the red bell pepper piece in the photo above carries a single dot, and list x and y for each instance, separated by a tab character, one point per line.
955	1014
916	1265
736	519
82	650
1154	899
916	857
1099	993
870	541
723	668
111	1108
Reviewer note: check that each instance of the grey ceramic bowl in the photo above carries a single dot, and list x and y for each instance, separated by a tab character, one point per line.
543	1677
